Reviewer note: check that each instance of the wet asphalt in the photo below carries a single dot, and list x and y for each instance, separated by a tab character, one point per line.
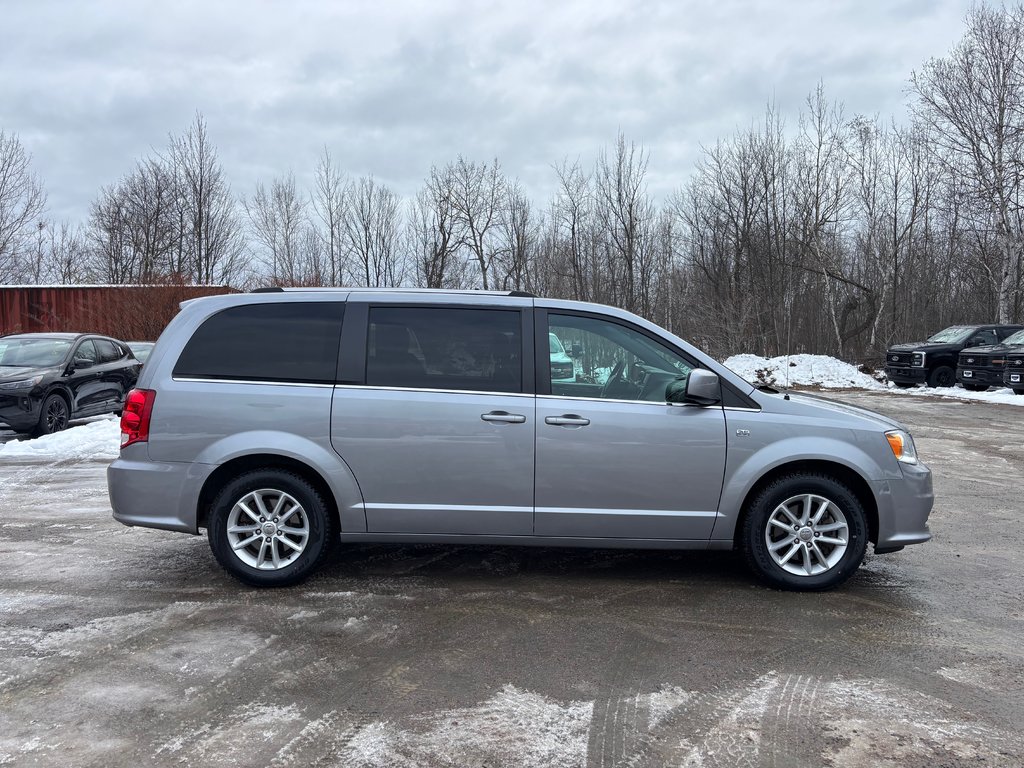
126	647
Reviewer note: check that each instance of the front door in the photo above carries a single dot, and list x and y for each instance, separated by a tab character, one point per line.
613	459
440	437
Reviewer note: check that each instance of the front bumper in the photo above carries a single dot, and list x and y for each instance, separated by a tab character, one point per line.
1013	379
907	375
155	494
19	411
903	508
980	376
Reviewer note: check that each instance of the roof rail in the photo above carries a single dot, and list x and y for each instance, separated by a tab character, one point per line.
360	289
268	289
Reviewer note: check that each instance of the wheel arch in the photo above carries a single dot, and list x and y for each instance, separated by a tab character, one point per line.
255	461
851	478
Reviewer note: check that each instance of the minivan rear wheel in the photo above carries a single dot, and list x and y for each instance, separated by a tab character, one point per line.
805	531
270	528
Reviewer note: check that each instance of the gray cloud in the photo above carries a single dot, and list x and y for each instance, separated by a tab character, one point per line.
396	87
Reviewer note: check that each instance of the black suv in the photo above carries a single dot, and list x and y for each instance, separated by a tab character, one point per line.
982	367
47	379
933	362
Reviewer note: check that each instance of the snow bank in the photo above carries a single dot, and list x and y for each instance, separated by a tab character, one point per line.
1004	396
830	373
95	440
804	370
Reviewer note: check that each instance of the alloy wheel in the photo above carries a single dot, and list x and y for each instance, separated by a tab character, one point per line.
267	529
807	535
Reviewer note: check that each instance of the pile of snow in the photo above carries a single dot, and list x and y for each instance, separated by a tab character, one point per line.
804	370
95	440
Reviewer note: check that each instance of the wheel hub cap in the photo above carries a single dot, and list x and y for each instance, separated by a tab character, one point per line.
269	529
806	533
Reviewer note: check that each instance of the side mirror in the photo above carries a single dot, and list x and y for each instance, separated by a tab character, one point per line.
80	362
977	341
700	387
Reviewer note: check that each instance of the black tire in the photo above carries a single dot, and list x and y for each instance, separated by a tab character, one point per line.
975	387
754	539
904	384
53	416
314	513
942	376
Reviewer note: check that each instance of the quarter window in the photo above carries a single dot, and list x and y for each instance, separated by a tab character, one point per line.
600	358
284	342
440	348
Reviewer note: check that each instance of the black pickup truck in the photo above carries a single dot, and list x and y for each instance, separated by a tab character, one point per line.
979	368
934	361
1013	371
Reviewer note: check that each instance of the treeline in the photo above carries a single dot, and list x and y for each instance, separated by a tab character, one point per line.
829	233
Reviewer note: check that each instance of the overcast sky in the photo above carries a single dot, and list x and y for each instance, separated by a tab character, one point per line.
394	87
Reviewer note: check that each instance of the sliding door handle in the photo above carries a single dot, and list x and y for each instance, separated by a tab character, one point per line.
503	417
568	420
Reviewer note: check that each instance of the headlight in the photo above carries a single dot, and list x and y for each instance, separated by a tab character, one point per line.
902	445
22	384
918	360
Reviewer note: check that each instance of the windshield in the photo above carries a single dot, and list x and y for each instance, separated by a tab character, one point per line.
953	334
555	345
32	353
1015	339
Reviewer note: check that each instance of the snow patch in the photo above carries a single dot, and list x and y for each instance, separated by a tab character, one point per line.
803	370
1003	396
94	440
512	728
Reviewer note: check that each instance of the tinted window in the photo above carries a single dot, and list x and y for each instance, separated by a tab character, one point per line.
87	351
266	342
434	348
610	360
981	338
108	351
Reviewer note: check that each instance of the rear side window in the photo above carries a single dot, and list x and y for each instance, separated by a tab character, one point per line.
108	351
266	342
438	348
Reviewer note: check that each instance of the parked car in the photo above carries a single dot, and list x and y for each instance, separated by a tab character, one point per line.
979	368
562	366
933	362
47	379
141	349
1013	370
286	422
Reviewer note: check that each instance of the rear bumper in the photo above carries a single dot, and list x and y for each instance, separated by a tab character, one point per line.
903	508
154	494
904	375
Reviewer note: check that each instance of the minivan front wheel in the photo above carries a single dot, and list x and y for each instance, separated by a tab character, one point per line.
805	532
270	528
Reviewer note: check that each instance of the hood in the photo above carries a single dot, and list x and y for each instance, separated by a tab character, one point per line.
988	349
820	407
17	374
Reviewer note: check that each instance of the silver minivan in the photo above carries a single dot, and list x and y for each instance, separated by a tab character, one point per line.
288	422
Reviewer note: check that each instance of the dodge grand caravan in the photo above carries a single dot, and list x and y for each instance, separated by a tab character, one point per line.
288	422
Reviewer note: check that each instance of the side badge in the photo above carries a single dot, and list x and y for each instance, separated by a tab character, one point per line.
742	433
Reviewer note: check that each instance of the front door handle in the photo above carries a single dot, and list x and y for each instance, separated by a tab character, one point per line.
568	420
503	417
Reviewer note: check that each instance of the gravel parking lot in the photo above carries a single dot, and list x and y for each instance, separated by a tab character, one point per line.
126	647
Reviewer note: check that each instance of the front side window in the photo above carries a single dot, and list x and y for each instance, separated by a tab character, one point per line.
440	348
612	361
87	351
272	342
984	338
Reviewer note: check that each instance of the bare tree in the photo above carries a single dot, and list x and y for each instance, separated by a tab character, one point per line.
478	193
329	199
22	202
973	103
211	240
279	223
372	227
435	236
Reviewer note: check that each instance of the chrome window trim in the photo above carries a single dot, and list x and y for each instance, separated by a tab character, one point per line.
607	400
192	380
434	390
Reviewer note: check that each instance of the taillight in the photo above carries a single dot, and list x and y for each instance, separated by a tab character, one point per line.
138	407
